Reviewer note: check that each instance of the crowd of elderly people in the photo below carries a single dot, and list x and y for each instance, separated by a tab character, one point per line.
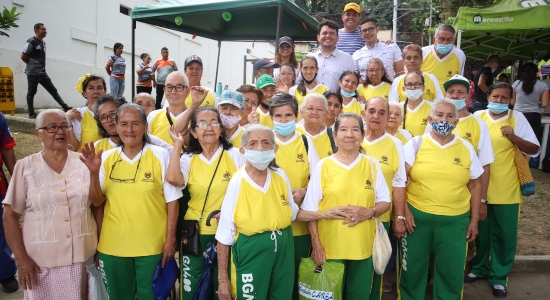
273	173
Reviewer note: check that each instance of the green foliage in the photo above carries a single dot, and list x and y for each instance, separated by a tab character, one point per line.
7	20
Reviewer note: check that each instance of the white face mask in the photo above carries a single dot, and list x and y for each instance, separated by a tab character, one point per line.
414	94
259	159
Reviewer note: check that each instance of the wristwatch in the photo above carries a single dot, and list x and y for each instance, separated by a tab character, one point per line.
483	201
402	218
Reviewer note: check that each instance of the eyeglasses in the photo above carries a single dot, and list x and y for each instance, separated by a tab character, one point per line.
179	88
205	125
119	180
54	128
105	118
368	30
375	71
410	85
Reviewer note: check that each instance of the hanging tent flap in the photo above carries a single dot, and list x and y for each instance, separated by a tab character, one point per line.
513	29
249	20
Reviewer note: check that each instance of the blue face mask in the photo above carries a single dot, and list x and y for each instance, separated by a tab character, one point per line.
444	49
460	104
284	129
497	108
346	94
443	128
259	159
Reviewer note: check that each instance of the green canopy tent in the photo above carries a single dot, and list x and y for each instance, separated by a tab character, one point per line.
513	29
228	20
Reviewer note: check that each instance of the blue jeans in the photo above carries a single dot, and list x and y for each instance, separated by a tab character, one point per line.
117	85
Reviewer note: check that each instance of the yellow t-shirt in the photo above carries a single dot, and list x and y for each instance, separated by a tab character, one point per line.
503	178
381	90
159	125
439	177
200	175
431	88
342	185
104	144
416	120
135	219
353	107
90	133
208	101
293	159
390	157
235	139
468	129
320	140
403	135
443	69
259	210
265	119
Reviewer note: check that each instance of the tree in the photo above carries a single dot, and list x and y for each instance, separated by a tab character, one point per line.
7	20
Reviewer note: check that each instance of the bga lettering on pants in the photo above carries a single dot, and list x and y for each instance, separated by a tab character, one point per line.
248	287
185	274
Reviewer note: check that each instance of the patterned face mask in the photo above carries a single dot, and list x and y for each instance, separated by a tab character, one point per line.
443	128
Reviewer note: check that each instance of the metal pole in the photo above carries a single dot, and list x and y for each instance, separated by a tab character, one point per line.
279	15
217	65
459	39
430	25
394	31
244	68
133	59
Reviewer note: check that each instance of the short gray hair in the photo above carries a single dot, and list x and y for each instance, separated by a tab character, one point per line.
311	97
442	101
395	104
444	27
259	127
52	111
180	74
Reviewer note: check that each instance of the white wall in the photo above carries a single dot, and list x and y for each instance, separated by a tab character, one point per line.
81	34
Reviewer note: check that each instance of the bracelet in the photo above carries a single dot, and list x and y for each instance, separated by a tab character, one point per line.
374	214
402	218
484	201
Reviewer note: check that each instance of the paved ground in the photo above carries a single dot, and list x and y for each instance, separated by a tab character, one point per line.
520	286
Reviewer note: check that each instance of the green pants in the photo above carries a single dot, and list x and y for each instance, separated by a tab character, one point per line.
124	275
191	270
446	237
264	265
357	278
376	291
497	238
302	249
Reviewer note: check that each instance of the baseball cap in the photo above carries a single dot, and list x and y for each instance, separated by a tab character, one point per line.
353	6
264	81
457	79
191	59
231	97
264	63
285	40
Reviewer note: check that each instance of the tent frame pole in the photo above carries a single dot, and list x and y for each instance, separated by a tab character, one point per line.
459	39
133	59
279	16
217	66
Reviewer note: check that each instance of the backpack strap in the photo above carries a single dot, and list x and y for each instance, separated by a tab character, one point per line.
331	138
306	144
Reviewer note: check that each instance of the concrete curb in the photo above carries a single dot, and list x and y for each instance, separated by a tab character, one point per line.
531	264
20	123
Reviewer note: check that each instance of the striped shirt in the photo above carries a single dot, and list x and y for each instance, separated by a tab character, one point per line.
350	42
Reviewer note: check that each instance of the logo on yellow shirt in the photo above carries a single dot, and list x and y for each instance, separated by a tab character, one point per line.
457	162
300	157
384	160
147	177
428	92
424	121
468	136
369	185
226	176
283	200
450	74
